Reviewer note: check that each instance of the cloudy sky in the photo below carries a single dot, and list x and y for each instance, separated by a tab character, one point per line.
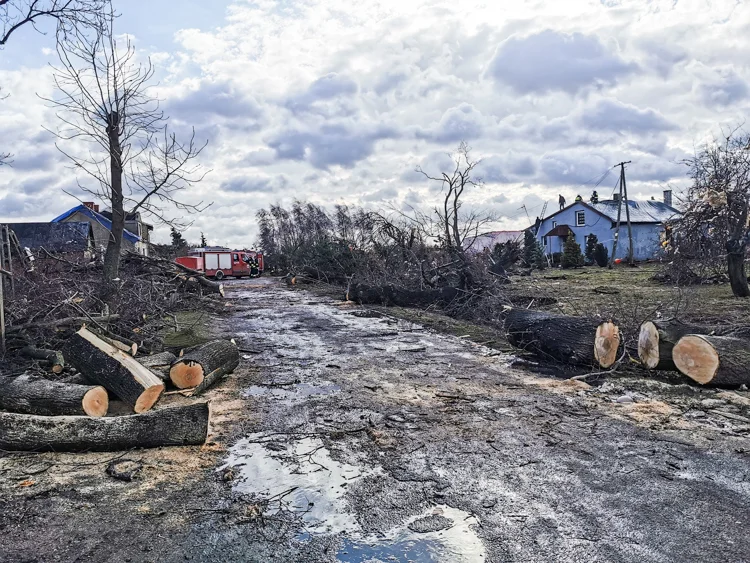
337	101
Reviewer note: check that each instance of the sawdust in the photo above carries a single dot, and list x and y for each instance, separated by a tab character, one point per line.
647	411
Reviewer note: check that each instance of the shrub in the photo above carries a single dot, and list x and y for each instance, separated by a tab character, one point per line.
591	242
601	255
571	257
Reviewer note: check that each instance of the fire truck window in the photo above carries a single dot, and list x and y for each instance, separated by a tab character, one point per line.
236	257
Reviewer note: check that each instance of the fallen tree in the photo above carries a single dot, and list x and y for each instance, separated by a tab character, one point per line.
570	340
36	395
118	372
204	365
173	269
713	360
657	339
391	295
174	426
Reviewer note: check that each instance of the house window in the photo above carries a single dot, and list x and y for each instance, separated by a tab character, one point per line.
580	218
554	224
544	239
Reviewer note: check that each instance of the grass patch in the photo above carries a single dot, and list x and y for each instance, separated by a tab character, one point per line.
186	328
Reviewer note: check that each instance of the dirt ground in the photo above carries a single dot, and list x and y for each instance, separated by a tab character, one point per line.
351	434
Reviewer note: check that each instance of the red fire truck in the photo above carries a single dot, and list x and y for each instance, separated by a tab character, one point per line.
219	262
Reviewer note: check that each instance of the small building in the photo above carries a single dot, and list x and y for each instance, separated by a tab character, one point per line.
581	219
101	226
75	240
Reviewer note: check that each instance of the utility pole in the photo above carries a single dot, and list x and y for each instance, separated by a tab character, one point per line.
623	195
627	209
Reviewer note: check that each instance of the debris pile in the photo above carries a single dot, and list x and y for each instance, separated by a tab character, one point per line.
64	364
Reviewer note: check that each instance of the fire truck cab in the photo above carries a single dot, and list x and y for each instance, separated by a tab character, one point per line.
220	262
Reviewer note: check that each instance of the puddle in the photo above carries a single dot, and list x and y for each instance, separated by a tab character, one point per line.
292	393
457	544
273	468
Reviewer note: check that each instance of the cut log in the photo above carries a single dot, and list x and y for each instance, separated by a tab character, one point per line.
124	344
570	340
175	426
117	371
159	363
391	295
36	395
657	339
203	366
54	357
67	321
713	360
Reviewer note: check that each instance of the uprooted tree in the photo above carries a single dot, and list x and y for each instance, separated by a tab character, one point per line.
115	133
715	219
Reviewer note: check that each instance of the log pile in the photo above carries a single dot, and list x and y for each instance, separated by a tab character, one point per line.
569	340
71	415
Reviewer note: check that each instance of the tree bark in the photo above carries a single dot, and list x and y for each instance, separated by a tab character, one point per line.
175	426
109	291
159	364
713	360
391	295
570	340
54	357
118	372
36	395
736	268
203	366
657	339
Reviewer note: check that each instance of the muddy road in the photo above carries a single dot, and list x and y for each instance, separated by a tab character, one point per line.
348	435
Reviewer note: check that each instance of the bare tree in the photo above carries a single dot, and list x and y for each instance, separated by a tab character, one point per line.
115	133
69	14
716	206
454	227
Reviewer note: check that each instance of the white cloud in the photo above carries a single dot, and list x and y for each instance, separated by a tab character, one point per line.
338	101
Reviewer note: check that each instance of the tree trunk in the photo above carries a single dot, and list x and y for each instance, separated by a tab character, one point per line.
391	295
160	364
736	268
118	372
203	366
657	339
714	360
54	357
570	340
110	291
175	426
124	344
36	395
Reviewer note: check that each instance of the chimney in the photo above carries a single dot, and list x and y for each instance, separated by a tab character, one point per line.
91	205
616	197
668	197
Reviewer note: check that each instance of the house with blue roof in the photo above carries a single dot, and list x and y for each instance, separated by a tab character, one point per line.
649	220
136	236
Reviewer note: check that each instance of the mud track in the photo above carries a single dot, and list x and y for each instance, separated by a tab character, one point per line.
348	436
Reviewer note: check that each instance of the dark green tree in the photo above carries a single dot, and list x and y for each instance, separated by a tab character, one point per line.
572	257
591	242
601	255
204	244
538	259
529	247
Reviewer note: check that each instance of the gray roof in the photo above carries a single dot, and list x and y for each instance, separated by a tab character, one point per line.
648	211
54	237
